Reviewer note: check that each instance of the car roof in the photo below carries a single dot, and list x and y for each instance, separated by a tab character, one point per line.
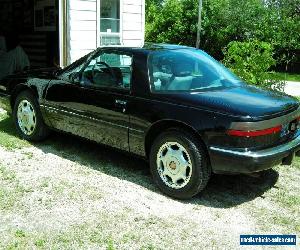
148	47
162	46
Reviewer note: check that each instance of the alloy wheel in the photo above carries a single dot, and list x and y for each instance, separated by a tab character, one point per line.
26	117
174	165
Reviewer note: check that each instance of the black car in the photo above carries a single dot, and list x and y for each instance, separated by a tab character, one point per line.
175	106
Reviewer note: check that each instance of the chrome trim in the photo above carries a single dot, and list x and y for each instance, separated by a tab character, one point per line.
264	152
55	110
250	126
137	130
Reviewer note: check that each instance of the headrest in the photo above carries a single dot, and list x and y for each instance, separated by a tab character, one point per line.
116	71
181	69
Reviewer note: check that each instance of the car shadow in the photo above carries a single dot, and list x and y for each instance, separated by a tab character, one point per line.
222	191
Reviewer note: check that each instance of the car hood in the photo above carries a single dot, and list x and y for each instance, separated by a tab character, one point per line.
38	78
246	102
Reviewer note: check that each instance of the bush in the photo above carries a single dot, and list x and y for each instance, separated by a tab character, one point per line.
252	61
273	21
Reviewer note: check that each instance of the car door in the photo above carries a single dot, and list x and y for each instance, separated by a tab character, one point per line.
91	101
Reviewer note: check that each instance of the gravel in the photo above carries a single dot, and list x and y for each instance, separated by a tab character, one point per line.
67	193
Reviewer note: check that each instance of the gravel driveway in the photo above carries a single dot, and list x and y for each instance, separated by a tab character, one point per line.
67	193
292	88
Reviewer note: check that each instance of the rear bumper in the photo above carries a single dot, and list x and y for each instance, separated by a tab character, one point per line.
234	161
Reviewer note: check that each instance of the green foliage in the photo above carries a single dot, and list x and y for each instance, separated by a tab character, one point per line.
164	23
169	20
274	21
251	61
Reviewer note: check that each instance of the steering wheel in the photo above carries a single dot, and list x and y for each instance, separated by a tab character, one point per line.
111	72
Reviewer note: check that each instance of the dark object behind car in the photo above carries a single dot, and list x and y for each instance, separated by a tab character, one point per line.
173	105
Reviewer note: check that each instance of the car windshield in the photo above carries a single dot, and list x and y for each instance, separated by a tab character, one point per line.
188	70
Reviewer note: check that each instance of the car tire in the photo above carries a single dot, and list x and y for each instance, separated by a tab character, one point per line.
179	164
28	118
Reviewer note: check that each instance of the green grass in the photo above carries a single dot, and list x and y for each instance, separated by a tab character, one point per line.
284	211
10	190
285	76
109	231
74	238
8	135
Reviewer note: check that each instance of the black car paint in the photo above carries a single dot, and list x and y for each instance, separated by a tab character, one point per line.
129	120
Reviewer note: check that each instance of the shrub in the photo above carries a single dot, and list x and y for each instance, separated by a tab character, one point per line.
252	61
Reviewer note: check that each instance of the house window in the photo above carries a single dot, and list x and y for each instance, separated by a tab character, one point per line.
110	16
110	22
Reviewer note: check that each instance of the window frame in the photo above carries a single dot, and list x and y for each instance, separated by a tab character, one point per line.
69	70
99	33
108	88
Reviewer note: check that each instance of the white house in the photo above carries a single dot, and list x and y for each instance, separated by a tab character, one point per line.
55	32
87	24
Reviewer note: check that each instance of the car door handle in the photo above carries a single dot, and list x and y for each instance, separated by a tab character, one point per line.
121	104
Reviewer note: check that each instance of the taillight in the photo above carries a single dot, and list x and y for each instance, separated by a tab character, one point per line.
254	133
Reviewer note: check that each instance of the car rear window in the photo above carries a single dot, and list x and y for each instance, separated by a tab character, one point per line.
188	70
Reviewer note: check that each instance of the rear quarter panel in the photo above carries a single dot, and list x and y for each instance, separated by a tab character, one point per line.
146	112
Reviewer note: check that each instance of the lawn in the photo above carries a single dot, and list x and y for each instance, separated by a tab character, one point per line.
8	134
67	193
286	76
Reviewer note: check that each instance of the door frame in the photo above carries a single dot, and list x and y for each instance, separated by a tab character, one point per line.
63	44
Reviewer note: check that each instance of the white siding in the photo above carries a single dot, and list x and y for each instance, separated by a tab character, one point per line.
82	25
82	28
133	22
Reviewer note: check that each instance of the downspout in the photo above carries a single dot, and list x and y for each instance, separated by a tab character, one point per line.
63	55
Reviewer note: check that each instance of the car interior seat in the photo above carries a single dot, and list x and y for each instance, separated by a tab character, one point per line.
182	76
112	77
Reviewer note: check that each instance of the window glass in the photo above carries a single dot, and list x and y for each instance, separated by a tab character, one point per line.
110	16
188	70
108	70
76	67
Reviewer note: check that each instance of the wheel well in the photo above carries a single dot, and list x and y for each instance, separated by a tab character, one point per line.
162	126
18	89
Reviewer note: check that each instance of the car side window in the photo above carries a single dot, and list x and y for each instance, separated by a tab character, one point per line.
108	70
186	70
74	68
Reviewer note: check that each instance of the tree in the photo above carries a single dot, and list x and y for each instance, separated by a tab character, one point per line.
274	21
252	61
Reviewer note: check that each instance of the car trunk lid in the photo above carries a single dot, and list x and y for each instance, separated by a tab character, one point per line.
248	103
261	118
